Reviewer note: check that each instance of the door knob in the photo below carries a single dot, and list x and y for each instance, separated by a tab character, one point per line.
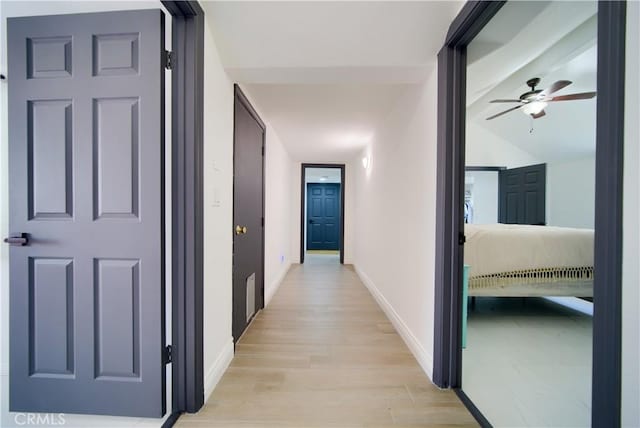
18	239
241	230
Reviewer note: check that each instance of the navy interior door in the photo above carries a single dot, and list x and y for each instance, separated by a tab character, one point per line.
323	216
522	195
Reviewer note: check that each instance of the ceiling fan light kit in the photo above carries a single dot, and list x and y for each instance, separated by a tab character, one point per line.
533	102
534	107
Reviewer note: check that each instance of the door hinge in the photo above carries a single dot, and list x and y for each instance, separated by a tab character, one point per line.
168	354
168	58
262	221
461	239
262	150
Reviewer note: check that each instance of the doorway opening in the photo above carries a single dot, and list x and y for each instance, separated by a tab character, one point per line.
322	212
607	255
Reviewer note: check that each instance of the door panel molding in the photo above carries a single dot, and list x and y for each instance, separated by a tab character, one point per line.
521	190
87	310
322	216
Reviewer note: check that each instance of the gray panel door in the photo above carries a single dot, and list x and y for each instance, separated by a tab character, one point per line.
248	197
86	184
522	195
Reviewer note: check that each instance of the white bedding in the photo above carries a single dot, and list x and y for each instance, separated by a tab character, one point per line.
496	248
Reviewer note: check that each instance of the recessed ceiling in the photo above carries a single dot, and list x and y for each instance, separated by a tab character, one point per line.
325	123
325	74
329	41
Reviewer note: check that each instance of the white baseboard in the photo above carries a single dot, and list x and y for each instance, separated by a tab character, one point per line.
422	356
273	287
220	365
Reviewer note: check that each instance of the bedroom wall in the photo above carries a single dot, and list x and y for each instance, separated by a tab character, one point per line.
484	148
631	228
485	196
570	198
395	207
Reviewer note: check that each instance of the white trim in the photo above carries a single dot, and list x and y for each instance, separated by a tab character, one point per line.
217	369
422	356
273	287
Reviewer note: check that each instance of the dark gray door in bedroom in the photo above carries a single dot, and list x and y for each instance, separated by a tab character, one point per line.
521	195
248	203
86	195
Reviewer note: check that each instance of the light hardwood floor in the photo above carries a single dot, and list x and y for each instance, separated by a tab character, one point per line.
323	354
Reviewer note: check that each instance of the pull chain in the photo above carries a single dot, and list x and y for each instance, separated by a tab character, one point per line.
530	125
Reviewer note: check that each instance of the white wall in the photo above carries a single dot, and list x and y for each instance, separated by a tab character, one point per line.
631	235
218	213
570	188
322	175
484	148
278	220
395	207
485	196
349	215
571	193
21	8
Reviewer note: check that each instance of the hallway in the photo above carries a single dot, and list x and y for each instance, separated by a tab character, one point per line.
324	354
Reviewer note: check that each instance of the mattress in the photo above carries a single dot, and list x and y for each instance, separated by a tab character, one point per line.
529	260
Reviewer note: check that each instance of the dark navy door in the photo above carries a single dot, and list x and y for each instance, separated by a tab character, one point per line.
323	216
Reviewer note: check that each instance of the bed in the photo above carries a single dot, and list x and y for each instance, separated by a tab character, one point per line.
512	260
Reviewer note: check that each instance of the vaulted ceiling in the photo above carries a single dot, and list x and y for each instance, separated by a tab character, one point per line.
553	41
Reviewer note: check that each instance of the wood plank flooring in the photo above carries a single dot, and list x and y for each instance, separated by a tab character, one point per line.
323	354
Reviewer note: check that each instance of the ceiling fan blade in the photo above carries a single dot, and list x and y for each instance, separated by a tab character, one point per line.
505	101
580	96
539	115
505	112
554	88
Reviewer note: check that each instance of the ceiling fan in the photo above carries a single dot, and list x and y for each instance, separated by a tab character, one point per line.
534	101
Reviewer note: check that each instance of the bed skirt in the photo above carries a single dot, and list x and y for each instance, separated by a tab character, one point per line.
561	281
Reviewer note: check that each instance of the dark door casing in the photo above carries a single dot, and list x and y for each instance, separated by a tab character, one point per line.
86	108
248	214
521	195
323	216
